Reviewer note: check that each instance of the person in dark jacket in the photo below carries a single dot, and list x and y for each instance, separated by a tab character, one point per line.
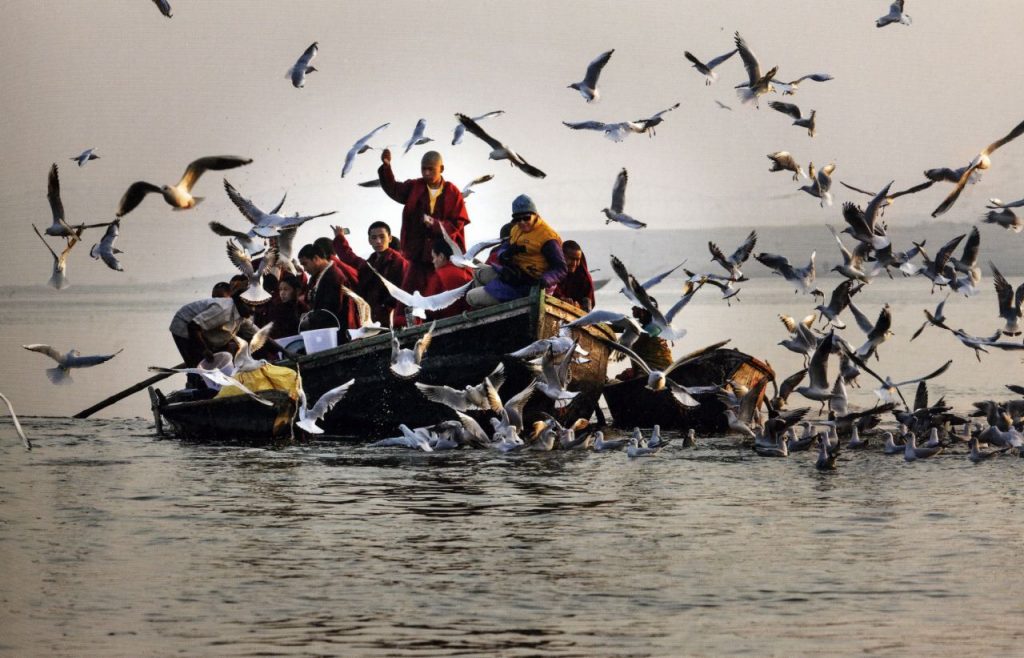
577	286
325	282
388	262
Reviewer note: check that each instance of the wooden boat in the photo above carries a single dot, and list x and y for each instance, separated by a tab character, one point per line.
463	351
632	405
235	419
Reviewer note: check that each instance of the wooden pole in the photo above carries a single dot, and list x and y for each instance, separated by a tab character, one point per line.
134	388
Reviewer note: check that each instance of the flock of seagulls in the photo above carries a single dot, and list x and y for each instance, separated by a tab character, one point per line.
773	433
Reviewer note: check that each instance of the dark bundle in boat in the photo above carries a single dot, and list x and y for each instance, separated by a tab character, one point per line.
633	405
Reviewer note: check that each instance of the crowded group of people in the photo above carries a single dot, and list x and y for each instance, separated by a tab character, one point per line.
316	295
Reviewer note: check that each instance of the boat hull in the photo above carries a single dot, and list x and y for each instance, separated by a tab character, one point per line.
633	405
235	419
464	349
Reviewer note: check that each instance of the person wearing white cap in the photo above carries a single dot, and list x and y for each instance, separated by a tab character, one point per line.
532	256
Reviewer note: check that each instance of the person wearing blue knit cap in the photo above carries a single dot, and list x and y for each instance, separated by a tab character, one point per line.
532	256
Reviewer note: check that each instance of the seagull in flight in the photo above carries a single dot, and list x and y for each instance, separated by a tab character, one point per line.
255	294
164	6
613	131
658	380
466	191
17	423
616	213
361	146
417	138
890	197
420	304
784	161
59	278
979	163
1009	302
798	118
308	416
105	248
267	225
1003	215
895	15
588	85
821	183
708	69
467	259
250	241
85	156
215	377
789	88
500	151
732	263
301	68
179	196
757	85
66	362
802	278
650	123
405	363
889	388
460	130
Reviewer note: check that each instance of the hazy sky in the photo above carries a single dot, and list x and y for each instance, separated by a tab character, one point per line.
152	94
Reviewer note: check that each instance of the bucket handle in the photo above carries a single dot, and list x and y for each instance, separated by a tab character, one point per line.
337	322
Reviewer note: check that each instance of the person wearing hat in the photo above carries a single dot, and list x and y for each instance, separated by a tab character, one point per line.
532	256
430	202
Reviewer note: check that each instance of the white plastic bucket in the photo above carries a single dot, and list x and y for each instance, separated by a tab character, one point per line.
292	343
318	340
222	361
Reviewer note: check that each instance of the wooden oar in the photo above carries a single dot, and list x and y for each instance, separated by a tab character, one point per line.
134	388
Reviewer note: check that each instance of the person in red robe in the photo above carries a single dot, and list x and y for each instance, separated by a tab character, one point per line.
429	203
446	277
388	262
577	286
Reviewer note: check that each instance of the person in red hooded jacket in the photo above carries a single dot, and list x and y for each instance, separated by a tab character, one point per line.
430	202
446	277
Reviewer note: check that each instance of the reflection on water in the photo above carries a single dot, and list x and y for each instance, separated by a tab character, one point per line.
117	543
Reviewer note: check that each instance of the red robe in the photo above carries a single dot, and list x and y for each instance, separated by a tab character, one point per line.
448	277
417	237
390	264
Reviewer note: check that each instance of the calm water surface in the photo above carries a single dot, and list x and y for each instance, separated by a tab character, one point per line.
116	543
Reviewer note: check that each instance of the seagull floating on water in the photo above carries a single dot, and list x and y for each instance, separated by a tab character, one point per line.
179	196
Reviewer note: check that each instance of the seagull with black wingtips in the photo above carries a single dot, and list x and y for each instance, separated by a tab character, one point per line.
757	85
500	151
616	212
588	85
790	88
794	112
179	196
708	69
301	68
981	162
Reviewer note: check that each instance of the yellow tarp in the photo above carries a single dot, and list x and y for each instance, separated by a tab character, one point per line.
267	377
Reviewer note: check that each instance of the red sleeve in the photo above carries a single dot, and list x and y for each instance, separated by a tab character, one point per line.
344	251
397	191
